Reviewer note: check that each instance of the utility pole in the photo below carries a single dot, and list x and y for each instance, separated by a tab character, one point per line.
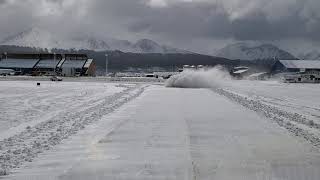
107	63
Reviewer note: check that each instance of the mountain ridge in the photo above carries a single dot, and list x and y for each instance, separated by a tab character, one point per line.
246	51
39	38
312	55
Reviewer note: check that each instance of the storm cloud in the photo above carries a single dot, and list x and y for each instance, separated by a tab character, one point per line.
168	20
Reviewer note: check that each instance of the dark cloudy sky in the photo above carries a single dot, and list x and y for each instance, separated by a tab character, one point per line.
200	25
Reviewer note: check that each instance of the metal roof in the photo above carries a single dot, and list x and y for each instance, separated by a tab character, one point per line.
60	63
73	63
18	63
48	63
88	63
301	64
241	67
258	74
241	71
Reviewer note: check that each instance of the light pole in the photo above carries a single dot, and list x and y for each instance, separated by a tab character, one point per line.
107	63
6	54
54	63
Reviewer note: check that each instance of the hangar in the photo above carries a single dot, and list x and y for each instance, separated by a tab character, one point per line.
20	63
304	71
296	66
49	64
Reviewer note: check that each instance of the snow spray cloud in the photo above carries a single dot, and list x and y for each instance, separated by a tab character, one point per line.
211	78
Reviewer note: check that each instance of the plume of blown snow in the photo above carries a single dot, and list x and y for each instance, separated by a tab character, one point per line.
203	78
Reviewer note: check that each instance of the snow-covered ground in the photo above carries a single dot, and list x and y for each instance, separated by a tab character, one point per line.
296	98
293	106
163	134
222	129
23	102
35	118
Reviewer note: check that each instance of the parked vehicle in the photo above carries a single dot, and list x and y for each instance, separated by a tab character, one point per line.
302	78
56	78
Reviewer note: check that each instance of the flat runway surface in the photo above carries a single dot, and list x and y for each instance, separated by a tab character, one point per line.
169	133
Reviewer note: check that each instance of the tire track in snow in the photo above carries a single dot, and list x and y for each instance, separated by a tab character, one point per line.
24	147
290	121
36	104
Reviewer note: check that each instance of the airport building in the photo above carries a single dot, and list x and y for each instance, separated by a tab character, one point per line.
296	66
304	71
48	64
20	63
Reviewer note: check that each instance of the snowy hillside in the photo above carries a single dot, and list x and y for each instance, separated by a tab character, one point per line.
39	38
146	45
246	51
313	55
31	38
149	46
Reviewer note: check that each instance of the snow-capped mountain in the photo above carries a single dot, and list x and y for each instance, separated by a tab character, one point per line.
313	55
91	43
246	51
33	37
39	38
146	45
149	46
